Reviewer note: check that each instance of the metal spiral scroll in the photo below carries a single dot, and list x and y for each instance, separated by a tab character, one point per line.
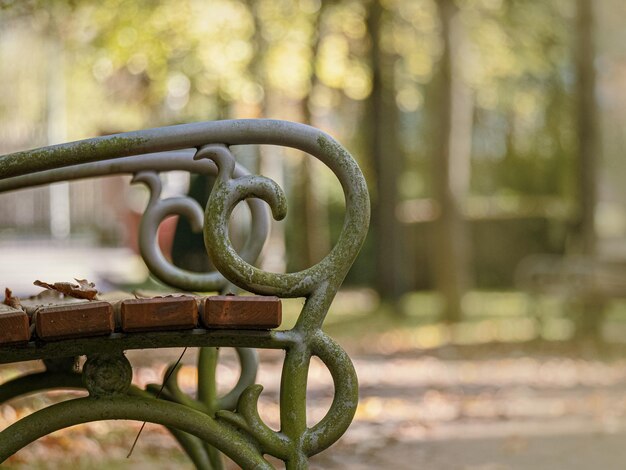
159	209
145	169
240	434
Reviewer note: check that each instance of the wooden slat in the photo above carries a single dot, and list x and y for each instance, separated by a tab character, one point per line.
14	326
252	312
74	320
160	313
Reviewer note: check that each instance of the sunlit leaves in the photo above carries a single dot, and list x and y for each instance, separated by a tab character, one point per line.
288	68
157	62
334	53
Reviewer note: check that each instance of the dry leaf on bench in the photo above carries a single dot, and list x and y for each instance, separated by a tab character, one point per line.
84	289
10	300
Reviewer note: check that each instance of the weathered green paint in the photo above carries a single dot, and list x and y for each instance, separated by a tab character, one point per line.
107	374
67	154
207	422
172	415
194	447
160	339
38	382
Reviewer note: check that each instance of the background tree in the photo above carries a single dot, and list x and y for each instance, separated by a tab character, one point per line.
451	165
381	126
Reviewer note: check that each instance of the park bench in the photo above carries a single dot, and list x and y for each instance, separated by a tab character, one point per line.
58	331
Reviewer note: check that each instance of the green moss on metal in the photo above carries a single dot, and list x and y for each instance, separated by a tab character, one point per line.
46	158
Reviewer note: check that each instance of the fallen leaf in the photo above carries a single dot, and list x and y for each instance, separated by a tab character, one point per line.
10	300
83	290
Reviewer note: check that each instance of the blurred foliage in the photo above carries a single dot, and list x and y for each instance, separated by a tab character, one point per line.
175	60
139	64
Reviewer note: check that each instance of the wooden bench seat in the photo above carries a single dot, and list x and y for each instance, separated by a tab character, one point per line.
14	326
57	318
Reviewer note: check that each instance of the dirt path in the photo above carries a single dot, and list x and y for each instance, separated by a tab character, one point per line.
508	410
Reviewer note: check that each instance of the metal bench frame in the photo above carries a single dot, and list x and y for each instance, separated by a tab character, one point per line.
231	424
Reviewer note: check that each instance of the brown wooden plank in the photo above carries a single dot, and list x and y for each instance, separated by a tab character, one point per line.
74	320
14	326
239	312
160	313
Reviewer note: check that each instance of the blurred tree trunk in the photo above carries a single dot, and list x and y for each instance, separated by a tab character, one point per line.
451	166
587	127
56	108
270	161
382	136
56	117
312	210
592	309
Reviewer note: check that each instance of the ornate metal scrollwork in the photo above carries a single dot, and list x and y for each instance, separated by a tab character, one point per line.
239	432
